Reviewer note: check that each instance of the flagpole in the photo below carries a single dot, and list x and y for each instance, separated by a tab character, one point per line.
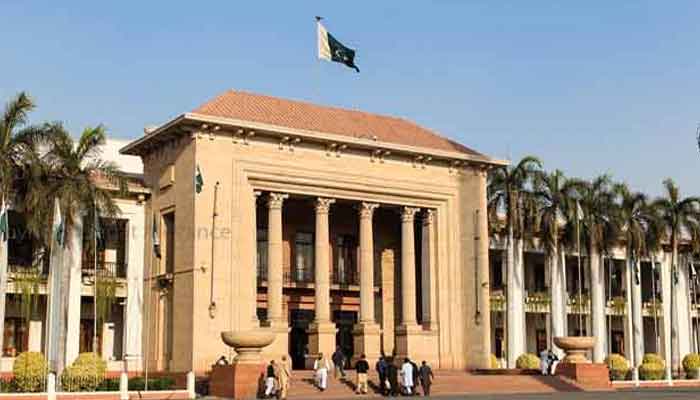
580	281
94	298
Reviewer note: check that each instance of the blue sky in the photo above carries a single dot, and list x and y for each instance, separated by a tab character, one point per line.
590	87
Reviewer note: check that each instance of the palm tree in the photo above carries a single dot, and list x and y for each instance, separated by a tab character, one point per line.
597	201
507	192
18	143
633	219
679	215
556	206
84	184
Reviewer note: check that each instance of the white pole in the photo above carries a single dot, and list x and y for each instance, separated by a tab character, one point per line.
94	297
580	280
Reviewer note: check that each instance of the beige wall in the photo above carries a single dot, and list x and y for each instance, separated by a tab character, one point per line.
307	169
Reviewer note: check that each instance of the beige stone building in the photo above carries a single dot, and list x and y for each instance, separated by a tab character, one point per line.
328	226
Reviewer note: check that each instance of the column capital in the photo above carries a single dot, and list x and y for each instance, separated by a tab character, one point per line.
408	213
366	209
428	217
323	205
275	200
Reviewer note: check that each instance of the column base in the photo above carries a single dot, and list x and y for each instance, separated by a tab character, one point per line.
321	340
236	381
367	341
409	341
280	346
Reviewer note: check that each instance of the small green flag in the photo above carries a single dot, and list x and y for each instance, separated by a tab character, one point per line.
99	238
198	181
4	224
59	224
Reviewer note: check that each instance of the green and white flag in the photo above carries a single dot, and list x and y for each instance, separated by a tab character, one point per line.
198	181
4	224
330	49
59	225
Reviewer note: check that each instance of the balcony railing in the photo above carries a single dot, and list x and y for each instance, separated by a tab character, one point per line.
299	276
346	277
108	269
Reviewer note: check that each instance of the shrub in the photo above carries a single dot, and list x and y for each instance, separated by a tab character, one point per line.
85	374
30	371
162	383
619	367
691	363
494	361
651	358
651	371
109	385
527	361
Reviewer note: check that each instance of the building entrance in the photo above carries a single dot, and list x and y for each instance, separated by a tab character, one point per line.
298	338
344	321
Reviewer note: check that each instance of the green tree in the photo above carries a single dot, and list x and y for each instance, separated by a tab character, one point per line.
18	148
554	194
599	233
84	184
679	215
508	193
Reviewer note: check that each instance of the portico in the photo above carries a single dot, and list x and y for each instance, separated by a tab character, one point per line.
325	235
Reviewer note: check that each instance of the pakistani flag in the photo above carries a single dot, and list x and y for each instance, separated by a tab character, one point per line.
4	223
156	238
330	49
59	231
198	181
99	237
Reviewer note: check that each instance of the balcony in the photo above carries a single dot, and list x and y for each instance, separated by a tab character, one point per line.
104	269
346	277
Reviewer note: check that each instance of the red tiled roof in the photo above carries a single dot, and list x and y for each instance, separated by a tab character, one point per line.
306	116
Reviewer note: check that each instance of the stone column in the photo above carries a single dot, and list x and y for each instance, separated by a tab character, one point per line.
72	261
407	342
322	330
515	286
682	332
598	318
275	275
429	287
366	332
637	325
133	311
666	278
559	296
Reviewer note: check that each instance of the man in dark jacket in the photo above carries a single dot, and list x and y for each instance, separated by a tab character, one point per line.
338	359
381	368
393	376
361	368
426	377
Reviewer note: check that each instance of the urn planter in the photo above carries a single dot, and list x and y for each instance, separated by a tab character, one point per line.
575	348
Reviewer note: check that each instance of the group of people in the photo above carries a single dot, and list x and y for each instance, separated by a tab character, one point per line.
277	377
411	376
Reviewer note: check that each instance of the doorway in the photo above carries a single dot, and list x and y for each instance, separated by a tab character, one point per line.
345	321
299	338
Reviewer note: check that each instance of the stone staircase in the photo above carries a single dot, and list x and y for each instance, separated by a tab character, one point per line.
446	382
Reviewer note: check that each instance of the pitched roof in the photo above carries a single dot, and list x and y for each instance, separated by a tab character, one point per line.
307	116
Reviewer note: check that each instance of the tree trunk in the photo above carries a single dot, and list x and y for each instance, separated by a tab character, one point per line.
3	277
515	345
597	304
558	295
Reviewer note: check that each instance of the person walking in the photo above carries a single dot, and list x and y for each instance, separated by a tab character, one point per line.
361	368
381	367
270	380
407	376
284	374
392	377
426	377
544	361
321	366
339	363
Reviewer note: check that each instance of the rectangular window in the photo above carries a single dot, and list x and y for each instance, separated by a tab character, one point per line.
169	228
261	257
304	257
16	337
345	268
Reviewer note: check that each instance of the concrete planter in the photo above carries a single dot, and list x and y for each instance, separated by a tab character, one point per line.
575	348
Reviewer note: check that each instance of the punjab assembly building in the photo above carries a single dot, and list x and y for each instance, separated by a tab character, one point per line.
329	227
